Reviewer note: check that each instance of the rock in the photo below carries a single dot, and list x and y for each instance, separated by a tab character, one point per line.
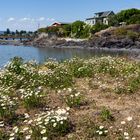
103	39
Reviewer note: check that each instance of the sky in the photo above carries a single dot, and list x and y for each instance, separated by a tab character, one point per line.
31	14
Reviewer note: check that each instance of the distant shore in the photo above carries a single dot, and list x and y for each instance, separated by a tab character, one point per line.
11	42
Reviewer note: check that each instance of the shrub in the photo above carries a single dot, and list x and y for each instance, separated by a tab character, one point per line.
106	114
8	106
43	126
32	97
120	31
73	98
59	78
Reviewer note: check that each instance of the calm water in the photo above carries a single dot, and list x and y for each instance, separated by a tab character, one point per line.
40	54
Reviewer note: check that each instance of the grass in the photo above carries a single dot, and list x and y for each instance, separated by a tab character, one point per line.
96	98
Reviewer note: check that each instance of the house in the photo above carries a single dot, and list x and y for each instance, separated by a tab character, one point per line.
58	24
100	17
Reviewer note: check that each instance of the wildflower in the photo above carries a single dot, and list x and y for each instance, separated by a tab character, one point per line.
12	138
72	96
44	138
77	94
43	131
127	138
106	131
54	125
126	134
29	122
133	138
97	131
28	137
26	115
123	122
101	127
69	89
1	124
68	108
100	132
138	126
61	122
12	134
25	129
129	119
59	91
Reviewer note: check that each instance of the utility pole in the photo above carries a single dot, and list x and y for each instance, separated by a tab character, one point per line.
38	25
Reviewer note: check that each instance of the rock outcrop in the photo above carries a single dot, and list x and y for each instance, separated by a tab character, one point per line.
112	37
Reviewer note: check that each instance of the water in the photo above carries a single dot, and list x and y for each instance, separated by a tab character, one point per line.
41	54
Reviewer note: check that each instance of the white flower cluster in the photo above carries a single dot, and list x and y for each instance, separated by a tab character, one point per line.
102	131
41	124
29	93
6	103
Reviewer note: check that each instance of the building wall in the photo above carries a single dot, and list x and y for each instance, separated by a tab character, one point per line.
94	21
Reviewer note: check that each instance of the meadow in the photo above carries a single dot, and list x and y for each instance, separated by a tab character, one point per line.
77	99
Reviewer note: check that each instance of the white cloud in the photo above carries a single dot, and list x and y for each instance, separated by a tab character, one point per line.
50	19
25	19
41	19
11	19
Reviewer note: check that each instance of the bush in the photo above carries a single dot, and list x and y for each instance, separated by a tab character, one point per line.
73	98
98	27
106	114
120	32
58	78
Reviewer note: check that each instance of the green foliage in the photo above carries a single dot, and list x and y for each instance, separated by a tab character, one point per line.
120	32
135	19
32	97
59	78
106	114
98	27
73	98
125	32
130	16
132	35
77	29
79	68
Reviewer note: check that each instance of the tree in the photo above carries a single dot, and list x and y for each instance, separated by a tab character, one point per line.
77	29
135	19
7	31
67	30
17	32
130	16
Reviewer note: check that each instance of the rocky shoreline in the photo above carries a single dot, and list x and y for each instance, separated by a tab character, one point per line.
11	42
103	39
97	42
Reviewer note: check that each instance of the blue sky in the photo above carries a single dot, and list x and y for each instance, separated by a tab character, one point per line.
27	14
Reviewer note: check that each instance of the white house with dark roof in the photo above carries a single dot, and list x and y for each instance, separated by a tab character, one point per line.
100	17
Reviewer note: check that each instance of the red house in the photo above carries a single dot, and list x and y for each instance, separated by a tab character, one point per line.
58	24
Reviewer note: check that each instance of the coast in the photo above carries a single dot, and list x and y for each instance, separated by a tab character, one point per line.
115	37
11	42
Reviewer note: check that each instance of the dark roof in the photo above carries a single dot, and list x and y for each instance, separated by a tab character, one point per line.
101	14
104	14
90	18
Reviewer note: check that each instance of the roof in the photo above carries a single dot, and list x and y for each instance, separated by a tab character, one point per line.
61	23
104	14
101	15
